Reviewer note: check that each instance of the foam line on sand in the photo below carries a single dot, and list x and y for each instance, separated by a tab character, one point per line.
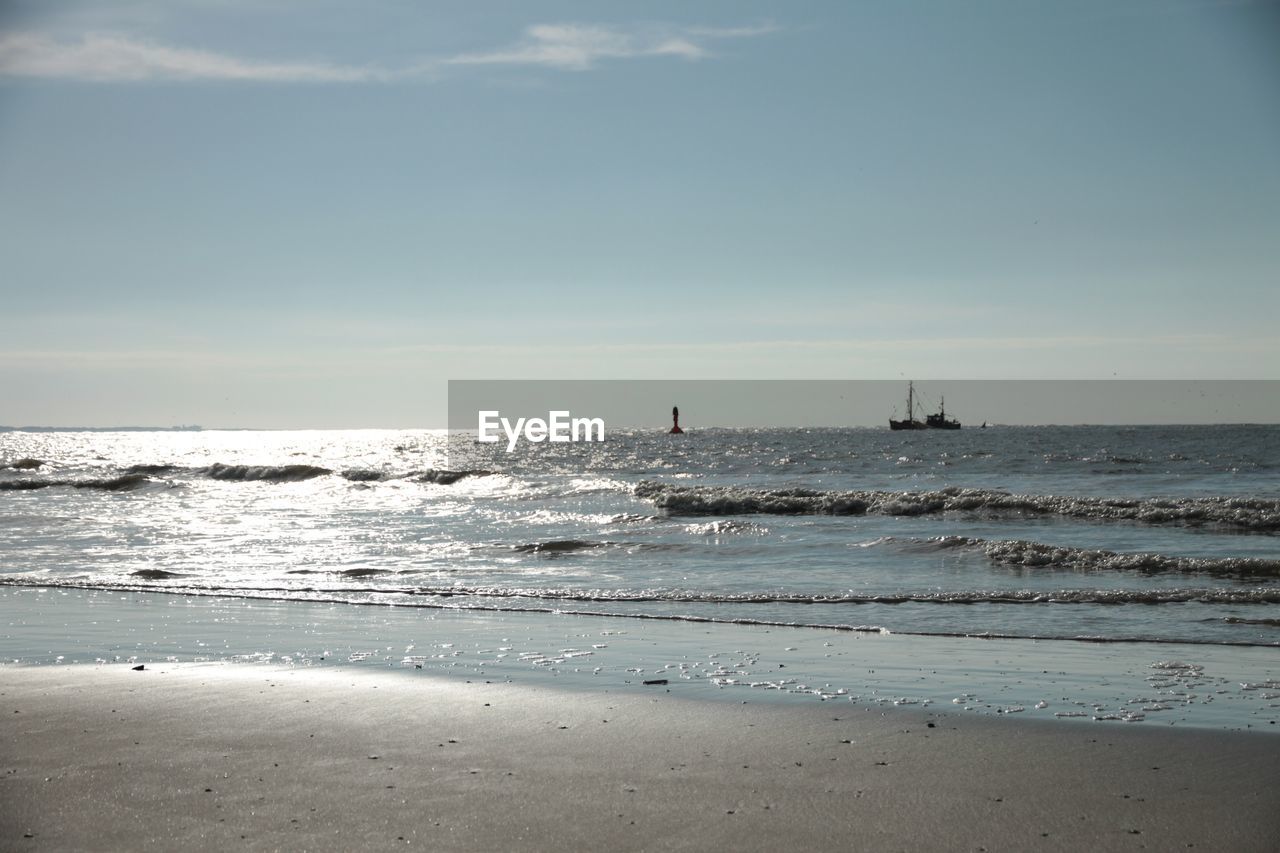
221	756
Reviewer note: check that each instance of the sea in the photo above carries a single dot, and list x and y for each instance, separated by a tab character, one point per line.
1099	573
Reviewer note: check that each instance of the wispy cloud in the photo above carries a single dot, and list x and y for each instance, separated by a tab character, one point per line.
566	47
579	47
107	58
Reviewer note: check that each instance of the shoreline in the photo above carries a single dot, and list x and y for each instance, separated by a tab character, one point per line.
1066	682
206	756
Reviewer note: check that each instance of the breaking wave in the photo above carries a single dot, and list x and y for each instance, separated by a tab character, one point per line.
1065	596
268	473
364	475
606	603
567	547
1253	514
151	470
446	478
155	574
557	546
122	483
346	573
1019	552
1181	595
231	473
726	526
25	464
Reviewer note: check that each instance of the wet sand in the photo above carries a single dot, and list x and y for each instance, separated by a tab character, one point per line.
220	756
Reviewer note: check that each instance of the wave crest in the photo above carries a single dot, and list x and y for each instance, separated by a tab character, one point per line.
364	475
1254	514
266	473
557	546
24	464
1020	552
122	483
446	478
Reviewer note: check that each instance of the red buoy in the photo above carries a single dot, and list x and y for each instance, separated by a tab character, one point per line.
675	421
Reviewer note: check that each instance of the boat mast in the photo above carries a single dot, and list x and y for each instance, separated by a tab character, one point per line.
910	411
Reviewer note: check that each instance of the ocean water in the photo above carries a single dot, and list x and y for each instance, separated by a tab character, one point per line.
1074	537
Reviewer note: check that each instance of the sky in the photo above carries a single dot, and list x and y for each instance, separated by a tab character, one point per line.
315	214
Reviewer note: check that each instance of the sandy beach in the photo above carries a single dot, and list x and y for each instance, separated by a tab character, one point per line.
219	756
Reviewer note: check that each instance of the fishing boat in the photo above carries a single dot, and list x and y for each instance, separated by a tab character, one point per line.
935	421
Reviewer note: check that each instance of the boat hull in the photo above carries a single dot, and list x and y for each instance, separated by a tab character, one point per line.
906	425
